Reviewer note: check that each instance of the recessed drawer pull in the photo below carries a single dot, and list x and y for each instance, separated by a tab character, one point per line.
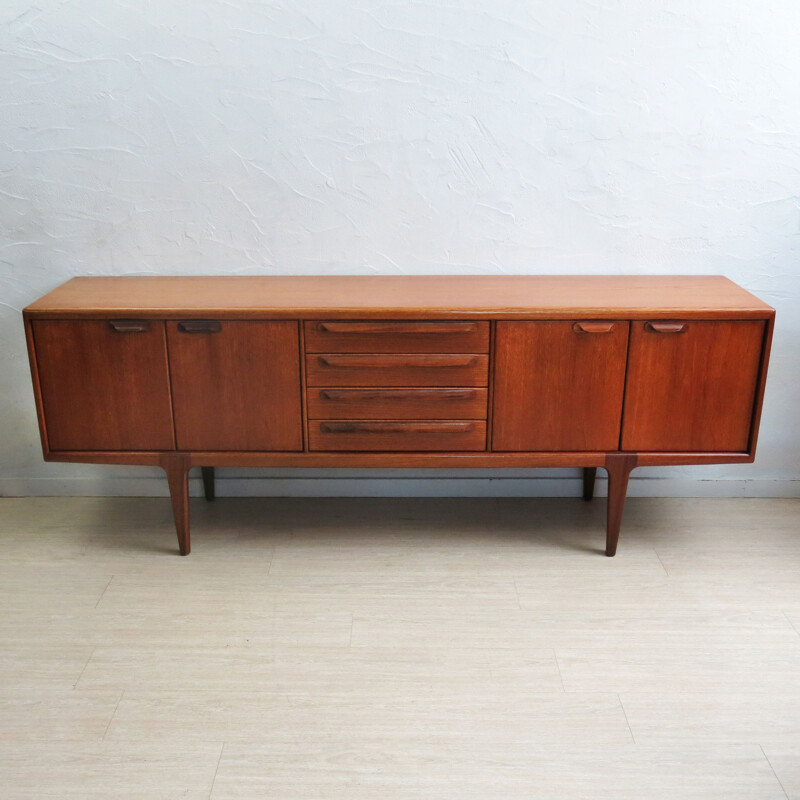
129	325
398	327
396	427
593	327
396	394
393	363
666	327
199	326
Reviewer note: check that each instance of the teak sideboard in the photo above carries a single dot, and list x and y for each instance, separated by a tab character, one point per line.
420	371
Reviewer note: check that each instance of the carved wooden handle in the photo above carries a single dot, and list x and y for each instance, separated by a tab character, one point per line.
375	362
396	427
129	325
199	326
666	327
593	327
397	394
398	327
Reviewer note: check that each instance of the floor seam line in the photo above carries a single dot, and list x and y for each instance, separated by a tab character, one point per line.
103	593
558	667
516	592
113	714
773	771
91	656
625	714
790	622
214	779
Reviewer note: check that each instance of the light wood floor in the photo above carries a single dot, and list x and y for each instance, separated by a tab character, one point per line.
398	648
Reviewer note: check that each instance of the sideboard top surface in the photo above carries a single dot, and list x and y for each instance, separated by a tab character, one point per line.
398	297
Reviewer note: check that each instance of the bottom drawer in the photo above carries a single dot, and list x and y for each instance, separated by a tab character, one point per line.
397	436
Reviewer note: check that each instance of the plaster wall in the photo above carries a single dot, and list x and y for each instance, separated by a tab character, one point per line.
324	136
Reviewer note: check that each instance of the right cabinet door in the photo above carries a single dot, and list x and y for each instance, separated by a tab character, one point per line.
558	385
691	385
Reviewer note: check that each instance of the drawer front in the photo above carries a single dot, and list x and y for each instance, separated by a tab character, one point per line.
397	370
458	403
397	436
396	337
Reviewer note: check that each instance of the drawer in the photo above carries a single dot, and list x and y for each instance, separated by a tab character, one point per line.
397	370
365	435
396	337
456	403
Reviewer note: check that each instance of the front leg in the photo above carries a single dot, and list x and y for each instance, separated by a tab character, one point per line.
177	469
618	467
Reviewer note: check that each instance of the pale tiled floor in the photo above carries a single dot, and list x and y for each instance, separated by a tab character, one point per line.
388	649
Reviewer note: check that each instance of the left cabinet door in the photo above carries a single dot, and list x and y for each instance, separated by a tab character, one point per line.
104	384
236	384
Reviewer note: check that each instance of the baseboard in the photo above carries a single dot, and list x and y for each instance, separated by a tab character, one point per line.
568	486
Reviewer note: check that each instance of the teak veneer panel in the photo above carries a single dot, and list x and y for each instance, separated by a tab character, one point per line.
391	369
397	436
104	389
394	403
404	297
692	390
413	336
237	388
558	387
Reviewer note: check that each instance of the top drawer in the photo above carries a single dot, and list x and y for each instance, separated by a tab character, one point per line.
333	336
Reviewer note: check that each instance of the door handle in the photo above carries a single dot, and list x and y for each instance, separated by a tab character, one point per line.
593	327
339	395
199	326
389	361
666	327
129	325
396	427
398	327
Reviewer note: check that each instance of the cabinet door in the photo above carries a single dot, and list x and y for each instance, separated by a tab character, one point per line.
105	384
691	385
558	385
236	384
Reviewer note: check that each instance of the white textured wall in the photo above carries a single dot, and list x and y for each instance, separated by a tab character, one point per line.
352	136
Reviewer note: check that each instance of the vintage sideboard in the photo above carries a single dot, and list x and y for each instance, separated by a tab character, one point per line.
419	371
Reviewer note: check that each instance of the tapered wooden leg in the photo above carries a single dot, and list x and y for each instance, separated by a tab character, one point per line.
589	474
177	469
208	482
618	467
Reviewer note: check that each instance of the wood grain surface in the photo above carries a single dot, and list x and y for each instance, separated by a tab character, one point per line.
404	297
398	436
237	389
463	369
692	390
396	337
103	389
557	387
393	403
